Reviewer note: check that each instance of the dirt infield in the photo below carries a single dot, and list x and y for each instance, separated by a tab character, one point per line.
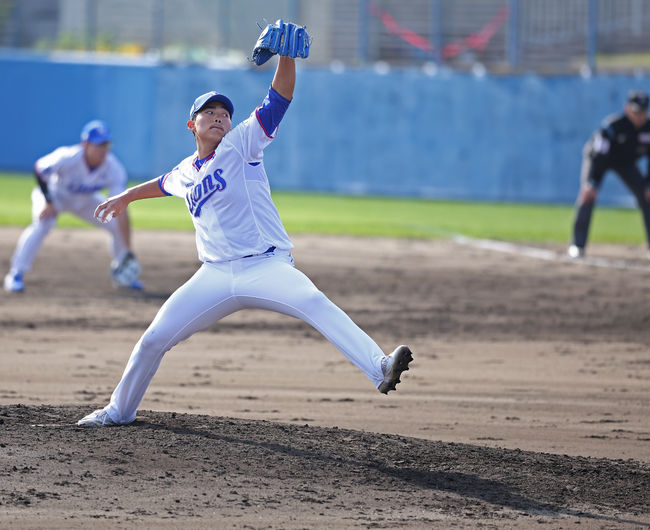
527	402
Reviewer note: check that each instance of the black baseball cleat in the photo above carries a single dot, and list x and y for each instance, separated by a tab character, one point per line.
397	362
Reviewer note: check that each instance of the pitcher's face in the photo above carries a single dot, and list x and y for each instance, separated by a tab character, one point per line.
211	123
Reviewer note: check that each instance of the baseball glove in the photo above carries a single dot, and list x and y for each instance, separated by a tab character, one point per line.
285	39
127	271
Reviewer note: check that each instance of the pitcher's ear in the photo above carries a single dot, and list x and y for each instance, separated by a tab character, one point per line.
190	125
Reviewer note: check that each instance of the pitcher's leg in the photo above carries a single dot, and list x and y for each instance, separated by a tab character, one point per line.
199	303
279	287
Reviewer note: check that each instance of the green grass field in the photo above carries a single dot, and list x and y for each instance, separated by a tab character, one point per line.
370	216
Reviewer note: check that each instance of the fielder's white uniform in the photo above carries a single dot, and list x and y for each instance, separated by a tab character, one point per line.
74	188
246	260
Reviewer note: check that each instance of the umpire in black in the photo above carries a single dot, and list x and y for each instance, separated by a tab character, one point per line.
617	145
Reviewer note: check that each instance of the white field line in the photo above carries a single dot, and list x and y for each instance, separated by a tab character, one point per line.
544	254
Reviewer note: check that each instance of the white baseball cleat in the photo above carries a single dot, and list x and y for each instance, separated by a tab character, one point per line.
14	282
576	252
98	418
396	363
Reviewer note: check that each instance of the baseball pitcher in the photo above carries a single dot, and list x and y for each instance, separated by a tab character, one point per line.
240	238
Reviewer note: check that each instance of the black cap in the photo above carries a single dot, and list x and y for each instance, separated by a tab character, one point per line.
637	101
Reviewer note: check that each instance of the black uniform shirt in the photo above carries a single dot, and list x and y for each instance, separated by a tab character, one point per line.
618	143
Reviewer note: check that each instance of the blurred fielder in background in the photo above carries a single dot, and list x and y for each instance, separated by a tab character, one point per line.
617	145
69	180
240	238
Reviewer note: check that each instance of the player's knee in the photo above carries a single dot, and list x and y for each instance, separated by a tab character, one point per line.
314	299
588	194
43	226
153	344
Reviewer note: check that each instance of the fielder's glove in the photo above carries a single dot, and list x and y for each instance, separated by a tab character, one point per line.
285	39
126	273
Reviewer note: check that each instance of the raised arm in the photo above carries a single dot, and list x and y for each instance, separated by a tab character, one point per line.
289	41
114	206
284	79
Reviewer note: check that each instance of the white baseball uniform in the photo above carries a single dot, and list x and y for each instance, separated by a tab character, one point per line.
246	260
74	188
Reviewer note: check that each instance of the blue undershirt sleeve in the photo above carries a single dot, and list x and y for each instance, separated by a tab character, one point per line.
270	112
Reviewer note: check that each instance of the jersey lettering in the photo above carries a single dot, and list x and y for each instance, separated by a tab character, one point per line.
198	194
83	188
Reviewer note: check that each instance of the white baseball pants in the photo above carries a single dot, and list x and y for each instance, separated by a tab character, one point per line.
268	281
31	240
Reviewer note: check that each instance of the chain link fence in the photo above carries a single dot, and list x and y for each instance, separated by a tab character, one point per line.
501	36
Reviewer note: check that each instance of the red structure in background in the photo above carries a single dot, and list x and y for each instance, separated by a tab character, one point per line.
475	41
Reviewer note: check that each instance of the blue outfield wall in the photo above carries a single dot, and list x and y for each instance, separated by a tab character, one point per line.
404	133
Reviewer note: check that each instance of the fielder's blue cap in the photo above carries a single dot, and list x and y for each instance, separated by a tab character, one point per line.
96	132
206	98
